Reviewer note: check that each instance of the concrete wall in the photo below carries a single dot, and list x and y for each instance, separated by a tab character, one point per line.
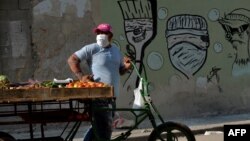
58	29
15	39
194	53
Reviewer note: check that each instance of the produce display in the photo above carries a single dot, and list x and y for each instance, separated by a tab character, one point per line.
31	84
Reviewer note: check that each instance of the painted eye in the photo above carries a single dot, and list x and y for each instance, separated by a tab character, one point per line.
228	36
137	31
205	38
227	28
243	28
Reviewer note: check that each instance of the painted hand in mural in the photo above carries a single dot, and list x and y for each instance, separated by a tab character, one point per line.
236	26
188	40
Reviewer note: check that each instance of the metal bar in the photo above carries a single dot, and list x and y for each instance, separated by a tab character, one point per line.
42	129
30	124
70	132
75	130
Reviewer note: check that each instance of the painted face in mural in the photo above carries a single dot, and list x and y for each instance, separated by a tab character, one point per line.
140	20
236	26
138	31
187	57
187	43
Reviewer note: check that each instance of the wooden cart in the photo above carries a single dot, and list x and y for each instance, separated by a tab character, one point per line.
48	105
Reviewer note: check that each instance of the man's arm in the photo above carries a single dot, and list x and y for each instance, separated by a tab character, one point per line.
74	64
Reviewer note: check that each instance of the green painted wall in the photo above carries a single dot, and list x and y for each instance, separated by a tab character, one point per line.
183	88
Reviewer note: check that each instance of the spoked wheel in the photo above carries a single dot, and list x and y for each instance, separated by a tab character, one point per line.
171	131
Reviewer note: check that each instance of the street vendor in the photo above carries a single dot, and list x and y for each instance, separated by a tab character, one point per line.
106	64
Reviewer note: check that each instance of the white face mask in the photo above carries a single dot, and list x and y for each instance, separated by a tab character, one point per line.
102	40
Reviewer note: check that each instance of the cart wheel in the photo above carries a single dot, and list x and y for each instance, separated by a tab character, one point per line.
6	137
171	131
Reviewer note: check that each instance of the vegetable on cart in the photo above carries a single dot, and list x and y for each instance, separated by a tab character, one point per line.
4	81
45	104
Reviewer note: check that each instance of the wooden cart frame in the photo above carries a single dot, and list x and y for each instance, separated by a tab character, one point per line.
49	105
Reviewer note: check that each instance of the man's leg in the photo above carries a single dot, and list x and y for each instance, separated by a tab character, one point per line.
102	121
88	135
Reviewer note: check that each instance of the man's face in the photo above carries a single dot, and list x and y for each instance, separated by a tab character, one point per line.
109	34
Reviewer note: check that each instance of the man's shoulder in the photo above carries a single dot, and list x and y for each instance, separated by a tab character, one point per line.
114	46
92	45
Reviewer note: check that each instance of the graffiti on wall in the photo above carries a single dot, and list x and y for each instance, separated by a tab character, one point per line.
188	40
140	29
236	26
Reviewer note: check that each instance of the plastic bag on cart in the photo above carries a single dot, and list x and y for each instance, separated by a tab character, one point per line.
138	98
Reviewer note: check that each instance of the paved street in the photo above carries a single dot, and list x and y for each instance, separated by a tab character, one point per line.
205	129
210	136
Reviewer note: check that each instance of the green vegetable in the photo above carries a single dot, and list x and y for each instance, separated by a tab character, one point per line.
49	84
4	81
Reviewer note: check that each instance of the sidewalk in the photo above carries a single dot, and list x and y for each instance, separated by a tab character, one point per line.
197	125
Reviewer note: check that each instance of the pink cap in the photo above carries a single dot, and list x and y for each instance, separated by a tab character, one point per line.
104	27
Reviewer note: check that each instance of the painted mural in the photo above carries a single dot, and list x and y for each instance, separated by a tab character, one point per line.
186	35
236	26
185	52
140	29
188	40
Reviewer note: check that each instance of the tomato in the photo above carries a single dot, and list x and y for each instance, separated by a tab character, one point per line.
70	85
75	85
99	84
79	84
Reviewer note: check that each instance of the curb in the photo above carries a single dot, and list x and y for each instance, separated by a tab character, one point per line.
195	132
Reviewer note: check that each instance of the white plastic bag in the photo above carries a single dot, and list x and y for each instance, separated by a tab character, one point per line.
138	101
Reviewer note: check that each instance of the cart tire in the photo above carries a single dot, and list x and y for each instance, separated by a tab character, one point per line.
6	137
177	131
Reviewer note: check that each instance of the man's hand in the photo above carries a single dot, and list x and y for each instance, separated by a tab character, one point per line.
127	63
87	78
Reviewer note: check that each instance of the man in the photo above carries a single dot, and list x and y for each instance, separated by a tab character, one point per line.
106	64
